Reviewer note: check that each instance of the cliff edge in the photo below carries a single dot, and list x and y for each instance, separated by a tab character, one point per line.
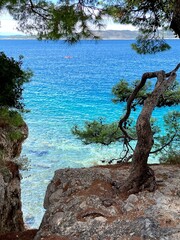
82	204
13	131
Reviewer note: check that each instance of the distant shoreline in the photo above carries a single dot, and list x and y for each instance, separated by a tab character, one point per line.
103	39
104	35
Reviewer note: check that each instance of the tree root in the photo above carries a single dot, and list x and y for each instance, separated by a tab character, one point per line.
135	183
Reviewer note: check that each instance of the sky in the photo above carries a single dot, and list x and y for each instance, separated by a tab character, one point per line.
9	27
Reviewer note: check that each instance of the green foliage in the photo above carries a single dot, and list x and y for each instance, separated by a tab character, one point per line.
12	78
172	157
172	120
170	140
74	20
148	16
171	96
123	90
15	135
145	45
69	23
65	20
10	118
98	132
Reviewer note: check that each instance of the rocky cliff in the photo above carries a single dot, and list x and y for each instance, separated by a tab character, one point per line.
82	204
13	131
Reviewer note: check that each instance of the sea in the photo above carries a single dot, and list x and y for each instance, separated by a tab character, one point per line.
72	84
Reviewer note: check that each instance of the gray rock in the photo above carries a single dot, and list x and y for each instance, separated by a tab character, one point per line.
2	192
128	207
132	199
11	218
82	204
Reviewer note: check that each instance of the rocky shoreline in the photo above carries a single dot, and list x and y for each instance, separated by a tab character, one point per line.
84	204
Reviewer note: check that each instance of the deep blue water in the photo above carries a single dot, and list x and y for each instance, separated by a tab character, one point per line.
66	91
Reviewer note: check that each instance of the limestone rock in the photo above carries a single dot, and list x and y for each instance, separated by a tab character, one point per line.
132	198
81	204
10	192
10	204
11	147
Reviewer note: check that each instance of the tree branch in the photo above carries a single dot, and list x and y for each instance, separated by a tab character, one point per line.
173	71
130	100
165	145
33	9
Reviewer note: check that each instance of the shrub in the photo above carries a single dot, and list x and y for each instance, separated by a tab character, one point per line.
15	135
12	78
10	118
172	157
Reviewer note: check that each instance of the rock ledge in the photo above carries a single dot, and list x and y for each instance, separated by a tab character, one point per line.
81	204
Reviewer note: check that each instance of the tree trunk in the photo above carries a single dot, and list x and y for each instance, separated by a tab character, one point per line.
175	22
141	176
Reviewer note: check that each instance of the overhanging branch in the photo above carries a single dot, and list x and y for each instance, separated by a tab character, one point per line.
165	145
160	75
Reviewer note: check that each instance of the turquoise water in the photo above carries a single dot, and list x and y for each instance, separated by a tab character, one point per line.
72	84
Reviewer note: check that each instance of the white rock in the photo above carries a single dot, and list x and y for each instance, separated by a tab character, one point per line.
83	205
101	219
128	207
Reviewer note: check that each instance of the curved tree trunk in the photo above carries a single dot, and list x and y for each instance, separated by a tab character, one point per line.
141	176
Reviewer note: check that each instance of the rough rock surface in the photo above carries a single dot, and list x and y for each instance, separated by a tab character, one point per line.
9	148
25	235
82	204
10	191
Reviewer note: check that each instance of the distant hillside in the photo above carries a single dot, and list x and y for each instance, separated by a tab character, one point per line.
107	34
18	37
125	34
117	34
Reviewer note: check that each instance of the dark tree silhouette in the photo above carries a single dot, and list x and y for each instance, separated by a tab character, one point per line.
12	78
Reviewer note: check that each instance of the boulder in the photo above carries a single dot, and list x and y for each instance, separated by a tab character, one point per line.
82	204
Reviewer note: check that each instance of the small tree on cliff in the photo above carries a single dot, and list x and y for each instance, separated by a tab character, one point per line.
99	132
165	93
70	20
